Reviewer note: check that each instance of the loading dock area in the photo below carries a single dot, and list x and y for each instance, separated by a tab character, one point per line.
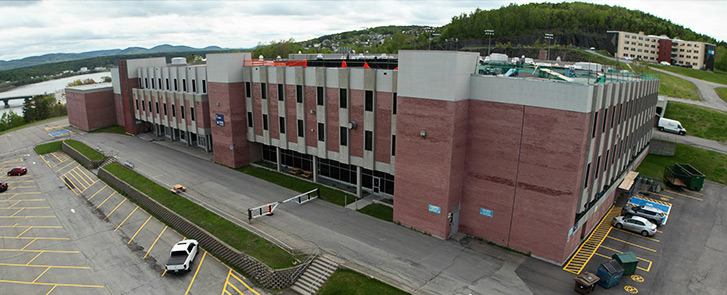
685	255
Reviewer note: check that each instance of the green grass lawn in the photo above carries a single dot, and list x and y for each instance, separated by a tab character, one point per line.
298	185
379	211
347	282
722	92
712	164
50	147
110	129
699	121
672	86
720	78
221	228
90	153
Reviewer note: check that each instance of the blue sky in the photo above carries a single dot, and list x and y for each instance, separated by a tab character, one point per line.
29	28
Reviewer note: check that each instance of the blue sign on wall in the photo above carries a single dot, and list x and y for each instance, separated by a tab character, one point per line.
220	120
435	209
486	212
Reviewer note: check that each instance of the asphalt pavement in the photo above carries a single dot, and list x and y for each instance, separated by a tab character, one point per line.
712	145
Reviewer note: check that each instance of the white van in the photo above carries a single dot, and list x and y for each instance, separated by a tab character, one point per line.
671	126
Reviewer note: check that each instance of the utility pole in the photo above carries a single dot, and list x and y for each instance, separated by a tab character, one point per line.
489	34
549	37
429	30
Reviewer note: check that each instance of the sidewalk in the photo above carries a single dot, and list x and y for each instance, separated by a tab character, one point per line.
405	258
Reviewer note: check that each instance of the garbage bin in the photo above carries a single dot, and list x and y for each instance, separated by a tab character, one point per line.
628	261
610	274
585	283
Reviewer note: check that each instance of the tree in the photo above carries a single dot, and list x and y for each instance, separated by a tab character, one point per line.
42	104
28	111
106	79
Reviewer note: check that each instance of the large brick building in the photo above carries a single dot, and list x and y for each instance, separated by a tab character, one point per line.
656	49
528	163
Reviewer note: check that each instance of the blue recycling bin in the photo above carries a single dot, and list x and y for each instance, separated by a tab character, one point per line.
610	274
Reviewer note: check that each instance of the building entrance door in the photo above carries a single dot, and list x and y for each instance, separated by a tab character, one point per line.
454	220
377	186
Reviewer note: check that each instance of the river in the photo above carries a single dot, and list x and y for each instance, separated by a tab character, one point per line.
52	86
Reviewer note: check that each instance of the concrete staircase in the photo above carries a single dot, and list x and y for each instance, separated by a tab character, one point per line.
315	275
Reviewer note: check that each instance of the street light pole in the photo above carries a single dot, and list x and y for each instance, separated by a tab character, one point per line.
489	34
549	37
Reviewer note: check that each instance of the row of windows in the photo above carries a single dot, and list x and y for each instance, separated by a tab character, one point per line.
144	83
320	92
174	109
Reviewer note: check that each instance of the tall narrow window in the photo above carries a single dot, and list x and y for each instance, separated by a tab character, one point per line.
588	171
182	111
167	83
595	124
301	132
321	132
184	85
137	104
369	140
393	104
595	169
141	83
265	122
282	125
160	83
393	145
157	106
191	113
146	82
174	111
150	109
343	135
249	119
194	86
264	90
204	86
165	109
613	116
247	89
343	98
369	101
299	93
176	85
319	95
281	93
143	106
152	83
605	161
605	119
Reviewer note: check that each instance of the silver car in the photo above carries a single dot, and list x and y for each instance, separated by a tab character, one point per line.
635	224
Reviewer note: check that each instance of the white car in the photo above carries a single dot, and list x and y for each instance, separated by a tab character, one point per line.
182	255
635	224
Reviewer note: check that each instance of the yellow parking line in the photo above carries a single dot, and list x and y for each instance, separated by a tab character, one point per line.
26	246
27	229
585	252
12	161
54	154
641	268
617	251
46	162
127	217
35	251
29	193
635	234
24	186
80	183
80	177
138	230
51	289
84	173
28	200
39	238
13	205
41	274
36	256
683	195
52	266
90	185
195	273
98	192
51	284
117	207
241	281
16	213
36	226
26	217
155	242
27	208
18	181
696	192
59	169
107	198
165	272
632	244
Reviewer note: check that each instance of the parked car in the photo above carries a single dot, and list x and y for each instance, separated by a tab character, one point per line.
3	186
650	213
671	126
635	224
182	255
18	171
666	63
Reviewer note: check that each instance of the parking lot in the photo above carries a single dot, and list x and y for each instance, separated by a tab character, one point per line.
43	253
671	261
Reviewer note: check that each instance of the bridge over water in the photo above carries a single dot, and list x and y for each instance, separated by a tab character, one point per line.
7	99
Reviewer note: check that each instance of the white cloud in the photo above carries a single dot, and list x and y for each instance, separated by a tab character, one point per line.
30	28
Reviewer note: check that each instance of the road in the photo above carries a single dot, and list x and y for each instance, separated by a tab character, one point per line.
710	98
712	145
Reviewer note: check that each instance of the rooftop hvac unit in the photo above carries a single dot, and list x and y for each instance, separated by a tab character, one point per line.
179	61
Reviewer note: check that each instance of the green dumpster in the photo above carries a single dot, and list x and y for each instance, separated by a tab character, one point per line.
694	179
628	261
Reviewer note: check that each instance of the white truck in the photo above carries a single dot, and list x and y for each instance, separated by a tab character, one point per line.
671	126
182	255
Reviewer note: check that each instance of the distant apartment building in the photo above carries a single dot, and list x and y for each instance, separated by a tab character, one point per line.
656	49
529	163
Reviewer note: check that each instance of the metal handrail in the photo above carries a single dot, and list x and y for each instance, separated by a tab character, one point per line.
318	279
304	265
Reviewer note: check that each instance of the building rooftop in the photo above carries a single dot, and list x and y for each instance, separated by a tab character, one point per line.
90	87
585	73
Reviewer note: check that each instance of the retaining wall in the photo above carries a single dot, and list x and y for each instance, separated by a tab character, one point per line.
86	162
266	276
